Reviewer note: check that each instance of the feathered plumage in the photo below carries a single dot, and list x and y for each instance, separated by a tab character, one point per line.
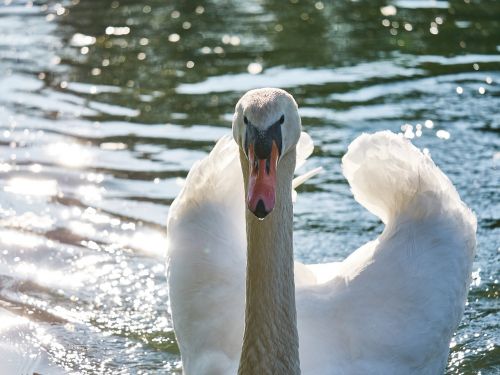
390	307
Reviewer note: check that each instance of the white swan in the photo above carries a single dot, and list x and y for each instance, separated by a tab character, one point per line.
391	307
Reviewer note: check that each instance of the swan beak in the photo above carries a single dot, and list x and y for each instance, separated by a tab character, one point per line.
261	196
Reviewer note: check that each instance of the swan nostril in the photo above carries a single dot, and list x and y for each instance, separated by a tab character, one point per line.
260	210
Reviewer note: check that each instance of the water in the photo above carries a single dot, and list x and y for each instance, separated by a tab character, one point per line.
105	105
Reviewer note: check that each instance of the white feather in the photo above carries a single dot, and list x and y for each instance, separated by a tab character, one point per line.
391	307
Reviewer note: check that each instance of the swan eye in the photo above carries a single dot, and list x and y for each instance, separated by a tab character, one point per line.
245	120
282	119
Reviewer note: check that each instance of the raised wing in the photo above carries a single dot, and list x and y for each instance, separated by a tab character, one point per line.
392	306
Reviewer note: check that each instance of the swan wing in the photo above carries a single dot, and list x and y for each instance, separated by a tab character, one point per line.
206	259
392	306
206	262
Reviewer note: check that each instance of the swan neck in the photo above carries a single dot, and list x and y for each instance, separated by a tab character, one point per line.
270	343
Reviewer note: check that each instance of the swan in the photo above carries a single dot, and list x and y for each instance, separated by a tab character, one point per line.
239	303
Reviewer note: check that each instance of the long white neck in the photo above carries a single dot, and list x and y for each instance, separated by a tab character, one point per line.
270	342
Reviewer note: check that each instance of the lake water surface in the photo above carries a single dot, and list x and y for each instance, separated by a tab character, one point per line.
105	105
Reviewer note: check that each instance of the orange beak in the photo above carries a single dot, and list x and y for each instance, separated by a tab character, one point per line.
261	192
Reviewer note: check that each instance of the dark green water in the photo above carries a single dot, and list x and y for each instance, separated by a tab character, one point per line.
105	105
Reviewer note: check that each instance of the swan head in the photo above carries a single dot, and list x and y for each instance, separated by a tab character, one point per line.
266	125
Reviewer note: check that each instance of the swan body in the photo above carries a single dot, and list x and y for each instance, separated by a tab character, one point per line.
390	307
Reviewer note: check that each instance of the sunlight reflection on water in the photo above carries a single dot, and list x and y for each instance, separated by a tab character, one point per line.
31	187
